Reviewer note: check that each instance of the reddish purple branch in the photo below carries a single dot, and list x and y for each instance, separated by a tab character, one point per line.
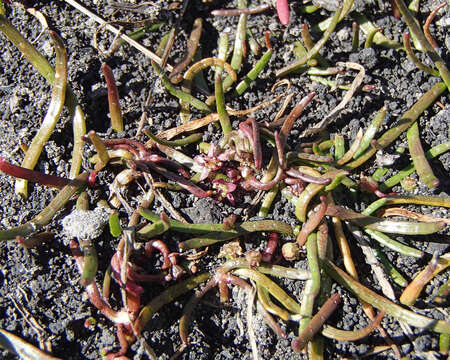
280	150
162	248
293	115
32	175
251	131
110	143
257	151
313	221
122	336
267	39
185	184
316	322
157	159
271	246
255	184
366	183
308	178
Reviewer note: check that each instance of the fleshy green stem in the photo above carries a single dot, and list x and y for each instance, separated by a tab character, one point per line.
420	162
407	119
44	217
54	111
381	302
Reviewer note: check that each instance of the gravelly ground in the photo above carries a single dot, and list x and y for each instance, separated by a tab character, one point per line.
48	274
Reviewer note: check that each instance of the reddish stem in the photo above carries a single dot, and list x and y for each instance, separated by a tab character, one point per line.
185	184
122	336
162	248
32	175
294	114
280	150
312	222
257	151
395	12
253	183
267	39
426	27
118	317
316	322
271	246
308	178
157	159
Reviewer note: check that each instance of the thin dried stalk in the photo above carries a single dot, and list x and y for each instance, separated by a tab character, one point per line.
21	348
116	31
332	116
199	123
411	215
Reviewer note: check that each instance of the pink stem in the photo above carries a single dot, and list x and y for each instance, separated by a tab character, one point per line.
118	317
293	115
283	11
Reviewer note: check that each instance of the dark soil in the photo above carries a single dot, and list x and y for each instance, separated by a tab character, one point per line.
48	274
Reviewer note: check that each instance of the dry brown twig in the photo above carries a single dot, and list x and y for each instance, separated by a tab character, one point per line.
116	31
357	81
